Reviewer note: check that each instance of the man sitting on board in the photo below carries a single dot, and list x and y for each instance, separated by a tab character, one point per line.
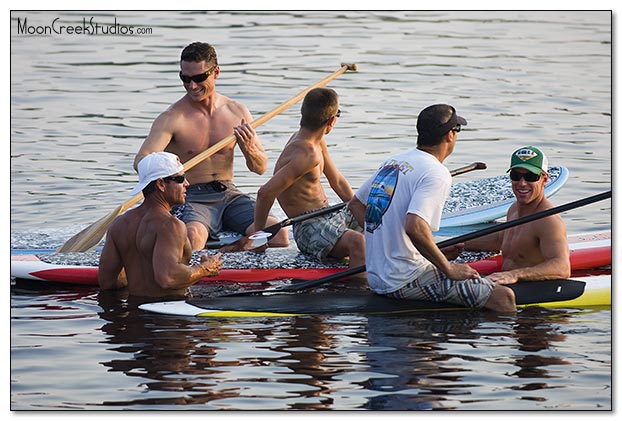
534	251
400	206
199	120
147	249
297	185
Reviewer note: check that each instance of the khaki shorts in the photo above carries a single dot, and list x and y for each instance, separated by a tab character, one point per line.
317	236
434	286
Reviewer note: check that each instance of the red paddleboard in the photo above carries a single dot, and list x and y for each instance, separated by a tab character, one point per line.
587	251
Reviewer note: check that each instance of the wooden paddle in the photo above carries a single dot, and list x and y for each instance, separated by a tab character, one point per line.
450	242
90	237
261	238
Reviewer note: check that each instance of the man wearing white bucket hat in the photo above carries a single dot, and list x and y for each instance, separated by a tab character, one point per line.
147	249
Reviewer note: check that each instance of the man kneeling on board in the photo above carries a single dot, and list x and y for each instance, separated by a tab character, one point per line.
534	251
400	206
147	249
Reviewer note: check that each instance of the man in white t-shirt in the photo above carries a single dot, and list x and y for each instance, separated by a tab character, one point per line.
401	205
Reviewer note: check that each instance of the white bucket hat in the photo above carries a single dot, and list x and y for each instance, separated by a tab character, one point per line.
156	165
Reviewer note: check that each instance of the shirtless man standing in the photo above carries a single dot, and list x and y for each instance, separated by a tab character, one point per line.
537	250
147	249
296	184
200	119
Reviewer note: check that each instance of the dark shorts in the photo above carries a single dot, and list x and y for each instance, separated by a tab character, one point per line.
219	206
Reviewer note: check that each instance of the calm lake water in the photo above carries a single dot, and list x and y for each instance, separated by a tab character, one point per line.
81	105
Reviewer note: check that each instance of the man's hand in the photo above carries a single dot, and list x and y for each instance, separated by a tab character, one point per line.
244	133
503	278
211	264
460	271
452	252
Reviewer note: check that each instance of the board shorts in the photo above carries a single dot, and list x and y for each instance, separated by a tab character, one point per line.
219	206
317	236
434	286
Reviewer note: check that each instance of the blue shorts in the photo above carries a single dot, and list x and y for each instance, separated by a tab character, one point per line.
219	206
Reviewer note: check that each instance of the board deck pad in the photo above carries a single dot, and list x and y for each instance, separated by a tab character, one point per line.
587	251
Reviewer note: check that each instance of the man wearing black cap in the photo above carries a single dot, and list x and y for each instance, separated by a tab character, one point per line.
401	205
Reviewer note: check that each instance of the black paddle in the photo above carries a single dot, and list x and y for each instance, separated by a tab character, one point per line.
260	238
456	240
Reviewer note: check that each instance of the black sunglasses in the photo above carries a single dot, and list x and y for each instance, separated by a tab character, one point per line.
456	128
201	77
176	178
528	176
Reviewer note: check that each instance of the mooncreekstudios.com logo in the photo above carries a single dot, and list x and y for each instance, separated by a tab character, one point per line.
86	27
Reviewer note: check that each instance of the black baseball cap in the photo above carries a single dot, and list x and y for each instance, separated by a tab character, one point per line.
433	123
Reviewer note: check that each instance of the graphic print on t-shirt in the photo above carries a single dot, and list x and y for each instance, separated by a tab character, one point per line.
380	196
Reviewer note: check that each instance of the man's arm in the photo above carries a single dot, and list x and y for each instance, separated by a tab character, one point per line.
110	274
420	234
170	272
335	179
553	242
284	178
158	139
249	143
358	209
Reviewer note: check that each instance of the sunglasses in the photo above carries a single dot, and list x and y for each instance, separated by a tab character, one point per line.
457	128
528	176
201	77
176	178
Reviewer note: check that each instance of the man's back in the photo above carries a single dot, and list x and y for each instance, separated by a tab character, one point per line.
136	235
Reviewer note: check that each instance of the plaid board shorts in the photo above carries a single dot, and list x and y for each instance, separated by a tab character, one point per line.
434	286
317	236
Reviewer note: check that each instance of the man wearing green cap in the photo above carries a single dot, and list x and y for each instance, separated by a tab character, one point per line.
537	250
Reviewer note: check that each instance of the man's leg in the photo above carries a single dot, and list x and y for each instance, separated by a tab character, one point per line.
351	244
197	234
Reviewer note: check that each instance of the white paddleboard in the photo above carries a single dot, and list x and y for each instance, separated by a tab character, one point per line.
479	214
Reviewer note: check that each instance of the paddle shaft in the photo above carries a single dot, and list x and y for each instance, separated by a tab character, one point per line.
90	237
452	241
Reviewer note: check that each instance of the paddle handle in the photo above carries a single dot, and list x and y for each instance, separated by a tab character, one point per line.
468	168
261	120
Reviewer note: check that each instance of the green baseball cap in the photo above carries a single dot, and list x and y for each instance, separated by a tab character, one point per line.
530	158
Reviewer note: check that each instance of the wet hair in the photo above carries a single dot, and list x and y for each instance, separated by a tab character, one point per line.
319	105
198	52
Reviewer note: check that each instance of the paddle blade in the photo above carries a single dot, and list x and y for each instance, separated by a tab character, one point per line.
91	236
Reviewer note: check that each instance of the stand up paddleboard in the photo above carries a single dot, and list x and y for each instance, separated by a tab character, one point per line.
566	293
587	251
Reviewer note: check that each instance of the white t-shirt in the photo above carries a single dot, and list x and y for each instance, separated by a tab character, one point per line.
414	182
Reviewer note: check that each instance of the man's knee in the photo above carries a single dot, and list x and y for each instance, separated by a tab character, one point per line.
197	234
501	300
